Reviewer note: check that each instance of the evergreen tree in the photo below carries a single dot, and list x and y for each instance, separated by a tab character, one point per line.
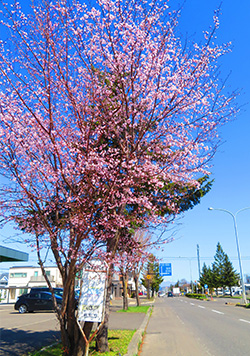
151	276
221	274
217	267
231	277
157	279
207	277
203	276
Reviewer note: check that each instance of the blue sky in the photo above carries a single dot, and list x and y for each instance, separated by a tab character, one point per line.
231	169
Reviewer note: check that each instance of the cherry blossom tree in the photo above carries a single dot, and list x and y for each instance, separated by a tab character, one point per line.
131	253
105	119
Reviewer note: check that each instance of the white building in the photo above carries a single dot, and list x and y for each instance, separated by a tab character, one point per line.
21	279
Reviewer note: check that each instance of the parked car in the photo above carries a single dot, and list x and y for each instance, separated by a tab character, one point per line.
57	291
170	294
140	293
161	294
36	301
237	293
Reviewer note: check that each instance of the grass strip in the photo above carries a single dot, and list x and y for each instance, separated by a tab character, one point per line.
140	309
118	341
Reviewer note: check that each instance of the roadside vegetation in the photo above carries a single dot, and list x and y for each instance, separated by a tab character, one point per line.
196	296
118	341
221	274
140	309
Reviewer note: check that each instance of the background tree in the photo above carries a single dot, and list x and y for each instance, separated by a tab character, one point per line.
106	123
143	238
207	278
217	267
231	277
156	279
222	273
151	278
184	285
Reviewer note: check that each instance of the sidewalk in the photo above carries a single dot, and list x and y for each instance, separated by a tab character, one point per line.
130	321
167	335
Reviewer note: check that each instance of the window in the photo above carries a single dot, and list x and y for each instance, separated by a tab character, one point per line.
36	273
18	275
47	273
34	295
23	291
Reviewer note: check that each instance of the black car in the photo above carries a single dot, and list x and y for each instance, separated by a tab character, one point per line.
57	290
170	294
36	301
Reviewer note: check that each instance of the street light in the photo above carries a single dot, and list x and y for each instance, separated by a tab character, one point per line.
244	300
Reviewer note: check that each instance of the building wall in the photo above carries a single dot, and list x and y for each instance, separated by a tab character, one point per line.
22	279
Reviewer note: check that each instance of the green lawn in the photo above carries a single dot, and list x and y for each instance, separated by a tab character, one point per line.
118	343
140	309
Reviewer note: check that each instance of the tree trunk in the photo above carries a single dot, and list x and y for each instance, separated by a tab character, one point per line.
138	302
125	290
72	339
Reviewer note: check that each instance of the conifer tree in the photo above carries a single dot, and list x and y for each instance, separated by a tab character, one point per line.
217	267
231	277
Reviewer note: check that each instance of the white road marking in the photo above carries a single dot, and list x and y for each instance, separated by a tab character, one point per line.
245	321
201	306
192	303
216	311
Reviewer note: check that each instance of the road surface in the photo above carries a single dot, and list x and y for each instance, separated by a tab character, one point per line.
181	326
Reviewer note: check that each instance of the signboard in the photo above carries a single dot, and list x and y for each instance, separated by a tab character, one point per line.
91	303
165	269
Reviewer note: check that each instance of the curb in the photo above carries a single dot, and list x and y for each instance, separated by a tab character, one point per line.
133	347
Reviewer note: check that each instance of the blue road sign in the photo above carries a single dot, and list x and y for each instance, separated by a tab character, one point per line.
165	269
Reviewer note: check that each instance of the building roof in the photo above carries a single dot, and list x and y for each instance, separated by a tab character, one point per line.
8	255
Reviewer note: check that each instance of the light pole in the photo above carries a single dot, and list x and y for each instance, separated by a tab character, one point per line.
244	300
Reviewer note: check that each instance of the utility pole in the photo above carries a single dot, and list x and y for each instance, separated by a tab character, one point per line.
198	257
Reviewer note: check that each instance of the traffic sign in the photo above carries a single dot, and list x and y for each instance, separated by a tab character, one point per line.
165	269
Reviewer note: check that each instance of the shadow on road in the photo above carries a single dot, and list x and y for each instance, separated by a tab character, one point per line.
17	342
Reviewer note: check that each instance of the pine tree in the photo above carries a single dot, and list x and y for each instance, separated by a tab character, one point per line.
217	267
151	278
203	276
207	277
231	277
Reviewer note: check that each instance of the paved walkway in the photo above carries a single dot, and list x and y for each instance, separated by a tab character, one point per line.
167	335
126	321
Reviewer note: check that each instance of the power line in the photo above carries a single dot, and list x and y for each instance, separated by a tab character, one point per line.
201	258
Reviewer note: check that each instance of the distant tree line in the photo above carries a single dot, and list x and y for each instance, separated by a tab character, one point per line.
221	274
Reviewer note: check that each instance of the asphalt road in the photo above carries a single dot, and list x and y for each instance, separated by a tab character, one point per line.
182	326
23	333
